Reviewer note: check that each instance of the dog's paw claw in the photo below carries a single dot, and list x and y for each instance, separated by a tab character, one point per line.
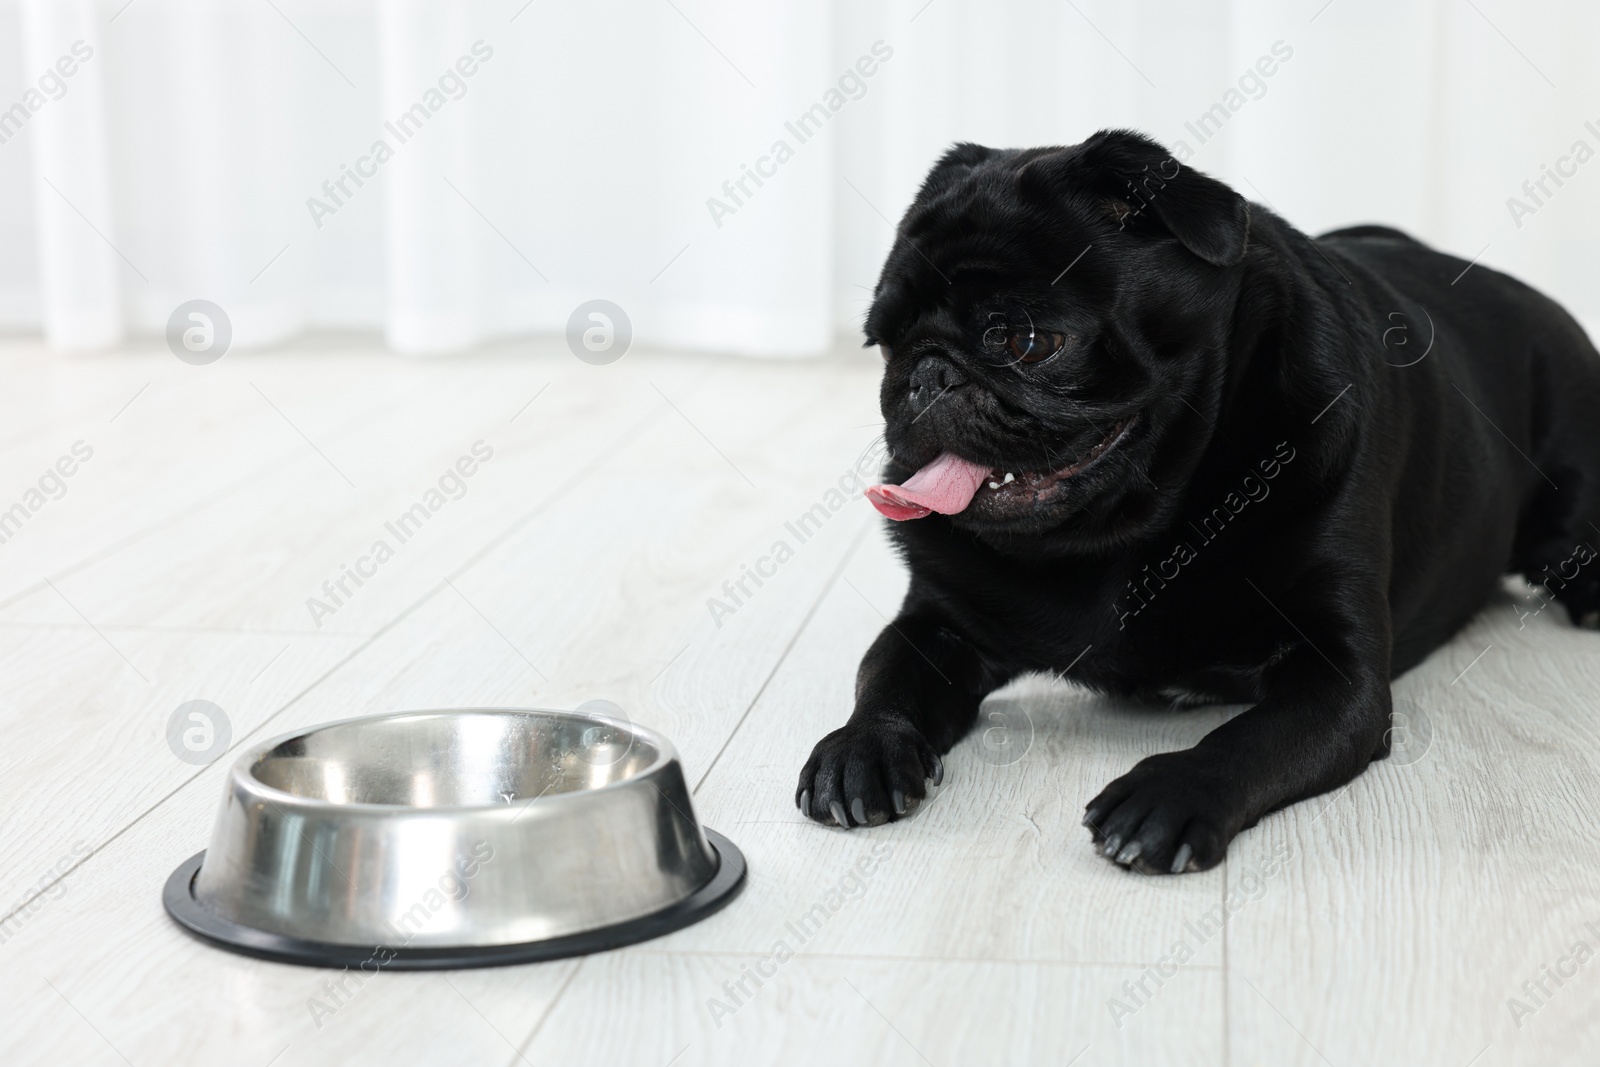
868	773
1172	813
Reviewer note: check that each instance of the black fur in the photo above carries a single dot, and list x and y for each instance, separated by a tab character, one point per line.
1333	450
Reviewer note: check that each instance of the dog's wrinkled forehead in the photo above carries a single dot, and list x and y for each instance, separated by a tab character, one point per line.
974	231
1048	221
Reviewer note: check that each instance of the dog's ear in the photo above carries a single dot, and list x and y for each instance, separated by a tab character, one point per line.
954	165
1142	186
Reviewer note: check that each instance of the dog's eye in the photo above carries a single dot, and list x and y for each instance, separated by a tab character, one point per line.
886	353
1028	345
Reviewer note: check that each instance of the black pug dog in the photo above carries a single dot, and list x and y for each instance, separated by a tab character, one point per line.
1150	437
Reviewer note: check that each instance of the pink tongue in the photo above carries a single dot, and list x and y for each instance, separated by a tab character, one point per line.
946	485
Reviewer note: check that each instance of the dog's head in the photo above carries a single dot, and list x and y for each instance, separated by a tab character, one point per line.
1047	318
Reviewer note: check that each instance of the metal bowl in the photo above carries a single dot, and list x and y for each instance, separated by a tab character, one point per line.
454	838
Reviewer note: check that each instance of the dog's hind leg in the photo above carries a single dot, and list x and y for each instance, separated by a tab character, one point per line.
1558	534
1558	544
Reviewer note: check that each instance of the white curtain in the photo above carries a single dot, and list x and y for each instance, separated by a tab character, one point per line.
540	155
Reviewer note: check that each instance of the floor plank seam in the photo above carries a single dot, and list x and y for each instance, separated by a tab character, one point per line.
1138	965
521	1051
1227	1019
810	613
604	455
189	780
206	501
136	627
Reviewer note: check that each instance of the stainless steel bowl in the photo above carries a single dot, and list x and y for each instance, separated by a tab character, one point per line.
454	838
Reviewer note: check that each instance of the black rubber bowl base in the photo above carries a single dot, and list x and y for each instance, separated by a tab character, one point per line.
709	899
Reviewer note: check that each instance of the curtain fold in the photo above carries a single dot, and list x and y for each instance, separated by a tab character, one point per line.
452	174
79	287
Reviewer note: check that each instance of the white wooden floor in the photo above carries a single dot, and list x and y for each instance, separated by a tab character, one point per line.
1389	924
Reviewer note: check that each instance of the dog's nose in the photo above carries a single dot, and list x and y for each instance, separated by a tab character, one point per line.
930	379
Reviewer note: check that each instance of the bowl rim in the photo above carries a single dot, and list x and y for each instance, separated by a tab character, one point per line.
242	770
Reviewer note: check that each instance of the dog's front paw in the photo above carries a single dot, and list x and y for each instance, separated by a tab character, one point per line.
1173	812
867	773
